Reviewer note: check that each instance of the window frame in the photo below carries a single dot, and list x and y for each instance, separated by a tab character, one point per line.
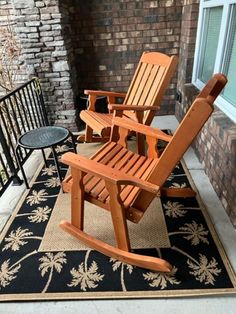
221	103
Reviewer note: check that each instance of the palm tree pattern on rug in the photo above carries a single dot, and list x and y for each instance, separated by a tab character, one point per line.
197	263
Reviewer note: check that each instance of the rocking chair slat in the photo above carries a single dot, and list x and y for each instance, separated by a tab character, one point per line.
129	194
91	181
150	85
120	158
96	185
129	166
97	156
130	97
141	86
153	92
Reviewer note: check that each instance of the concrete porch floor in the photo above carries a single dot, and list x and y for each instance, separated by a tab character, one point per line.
213	305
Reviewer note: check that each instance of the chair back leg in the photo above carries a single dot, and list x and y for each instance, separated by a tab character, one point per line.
118	218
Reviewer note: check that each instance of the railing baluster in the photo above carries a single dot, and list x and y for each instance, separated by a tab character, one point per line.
39	95
35	105
20	110
33	109
26	108
13	111
20	114
25	118
5	128
8	156
4	168
29	108
8	133
10	122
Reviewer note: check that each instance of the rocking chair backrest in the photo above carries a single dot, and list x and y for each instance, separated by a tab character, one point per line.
150	82
190	126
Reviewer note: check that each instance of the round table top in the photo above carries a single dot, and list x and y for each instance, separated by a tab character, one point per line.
43	137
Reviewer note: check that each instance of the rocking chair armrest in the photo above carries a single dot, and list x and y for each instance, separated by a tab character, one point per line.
141	128
106	173
104	93
132	107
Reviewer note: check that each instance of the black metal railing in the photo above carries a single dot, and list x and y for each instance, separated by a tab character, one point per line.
21	110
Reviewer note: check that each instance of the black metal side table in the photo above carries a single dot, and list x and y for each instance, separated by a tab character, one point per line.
41	138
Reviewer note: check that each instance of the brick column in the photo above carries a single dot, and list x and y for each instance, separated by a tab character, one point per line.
39	25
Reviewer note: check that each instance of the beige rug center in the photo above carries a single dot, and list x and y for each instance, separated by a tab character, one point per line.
150	232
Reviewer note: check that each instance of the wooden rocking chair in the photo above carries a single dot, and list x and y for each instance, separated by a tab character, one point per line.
125	183
142	100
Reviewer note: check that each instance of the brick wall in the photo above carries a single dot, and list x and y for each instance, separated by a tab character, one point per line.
110	36
216	148
216	144
40	29
72	45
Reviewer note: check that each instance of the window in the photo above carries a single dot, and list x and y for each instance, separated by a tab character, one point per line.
216	49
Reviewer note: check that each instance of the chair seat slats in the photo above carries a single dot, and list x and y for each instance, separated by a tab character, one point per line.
121	159
101	122
93	181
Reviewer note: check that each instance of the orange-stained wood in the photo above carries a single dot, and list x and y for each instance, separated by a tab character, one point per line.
125	182
77	199
154	263
142	100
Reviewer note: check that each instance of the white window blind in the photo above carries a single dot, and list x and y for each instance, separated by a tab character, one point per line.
211	30
215	49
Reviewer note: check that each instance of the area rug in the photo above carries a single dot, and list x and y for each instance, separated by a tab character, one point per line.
39	261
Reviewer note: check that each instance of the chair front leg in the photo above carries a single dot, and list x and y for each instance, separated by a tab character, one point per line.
77	199
88	134
118	217
114	136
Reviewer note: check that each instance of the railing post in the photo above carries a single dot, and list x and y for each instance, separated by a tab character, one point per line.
16	178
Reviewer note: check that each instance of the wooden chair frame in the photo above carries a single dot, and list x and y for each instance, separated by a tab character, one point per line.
125	182
141	101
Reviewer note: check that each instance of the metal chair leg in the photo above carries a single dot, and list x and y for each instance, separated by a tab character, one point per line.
21	167
44	158
73	141
56	163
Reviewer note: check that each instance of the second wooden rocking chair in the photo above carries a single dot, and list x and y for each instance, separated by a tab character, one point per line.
141	101
125	183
